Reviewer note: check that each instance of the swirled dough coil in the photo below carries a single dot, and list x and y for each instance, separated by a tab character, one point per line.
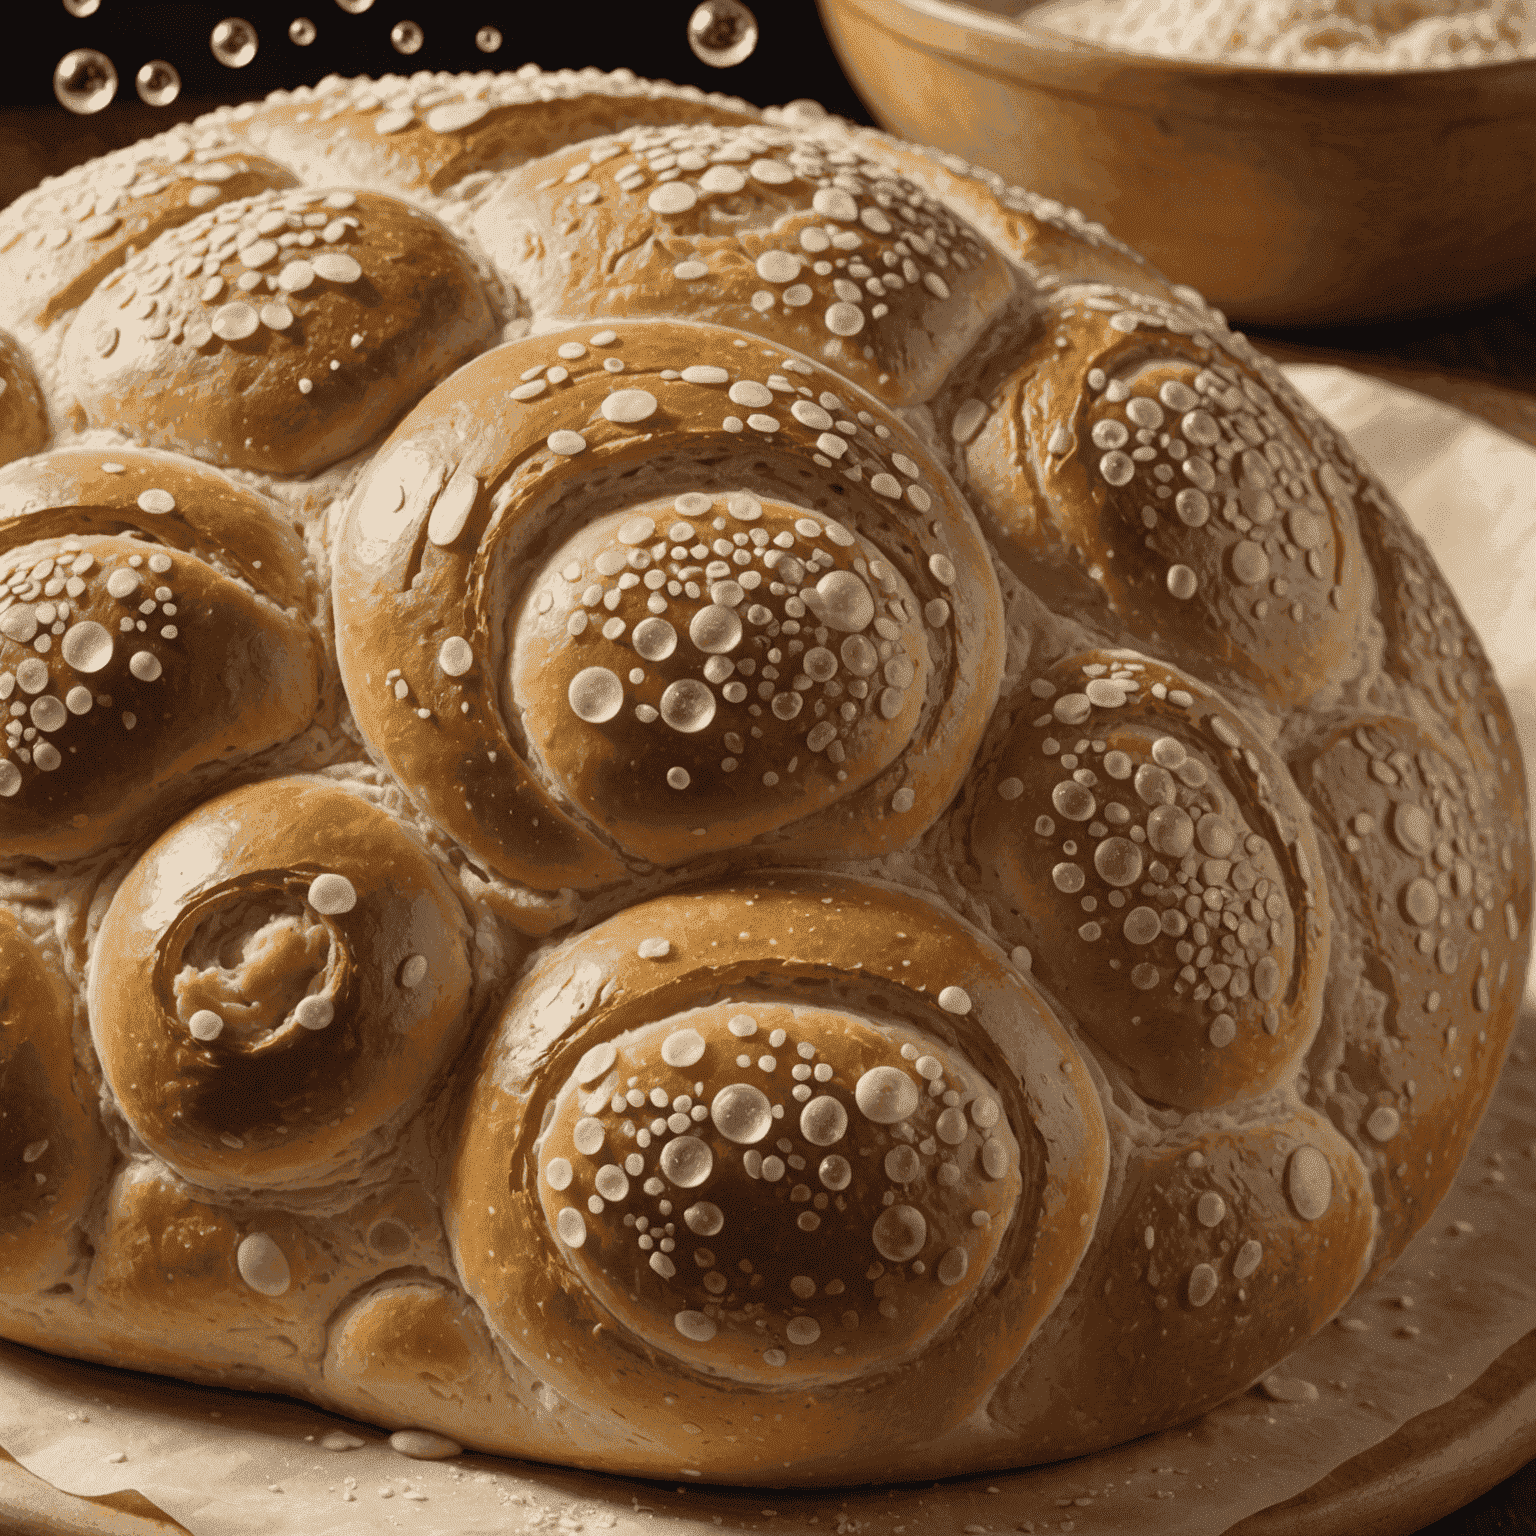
276	984
709	630
779	1138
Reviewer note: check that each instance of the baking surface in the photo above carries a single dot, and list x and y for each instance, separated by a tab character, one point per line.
1461	1296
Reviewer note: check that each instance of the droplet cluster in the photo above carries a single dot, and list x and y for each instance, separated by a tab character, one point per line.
779	224
1151	850
791	1192
1425	854
767	636
90	620
1218	454
256	264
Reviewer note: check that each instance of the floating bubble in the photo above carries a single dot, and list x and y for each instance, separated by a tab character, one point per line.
406	36
722	32
301	30
355	7
157	83
233	42
488	40
82	7
84	80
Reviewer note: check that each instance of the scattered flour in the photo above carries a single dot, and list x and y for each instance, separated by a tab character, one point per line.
1306	34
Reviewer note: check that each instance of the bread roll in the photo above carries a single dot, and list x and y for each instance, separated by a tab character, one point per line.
1048	242
52	1145
770	238
154	615
1151	852
23	416
854	1078
61	240
274	984
542	527
429	132
1232	1245
1174	485
799	825
1427	871
279	333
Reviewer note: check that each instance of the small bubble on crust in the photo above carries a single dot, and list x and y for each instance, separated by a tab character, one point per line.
331	894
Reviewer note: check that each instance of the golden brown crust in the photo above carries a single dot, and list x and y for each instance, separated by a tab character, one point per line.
173	1274
1232	543
427	133
53	1149
811	246
641	598
410	1351
278	980
888	992
281	333
1227	1251
23	414
1436	889
60	240
1155	859
459	534
1052	244
1431	646
148	627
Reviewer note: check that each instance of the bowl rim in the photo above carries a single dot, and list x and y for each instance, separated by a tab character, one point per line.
1020	47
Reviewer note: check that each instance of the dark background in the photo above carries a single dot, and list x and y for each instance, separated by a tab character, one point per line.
648	36
39	138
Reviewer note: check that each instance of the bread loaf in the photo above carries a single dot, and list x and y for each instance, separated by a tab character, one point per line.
693	793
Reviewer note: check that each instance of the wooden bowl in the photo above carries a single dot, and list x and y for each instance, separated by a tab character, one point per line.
1286	197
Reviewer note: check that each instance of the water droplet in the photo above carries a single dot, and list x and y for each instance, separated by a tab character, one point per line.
899	1233
488	40
355	7
595	695
687	1161
82	7
233	42
84	80
157	83
687	705
406	36
301	30
722	32
742	1113
886	1095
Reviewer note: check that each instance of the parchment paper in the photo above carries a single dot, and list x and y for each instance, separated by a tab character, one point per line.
225	1464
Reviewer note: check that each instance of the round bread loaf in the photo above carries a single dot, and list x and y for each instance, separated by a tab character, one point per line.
765	814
